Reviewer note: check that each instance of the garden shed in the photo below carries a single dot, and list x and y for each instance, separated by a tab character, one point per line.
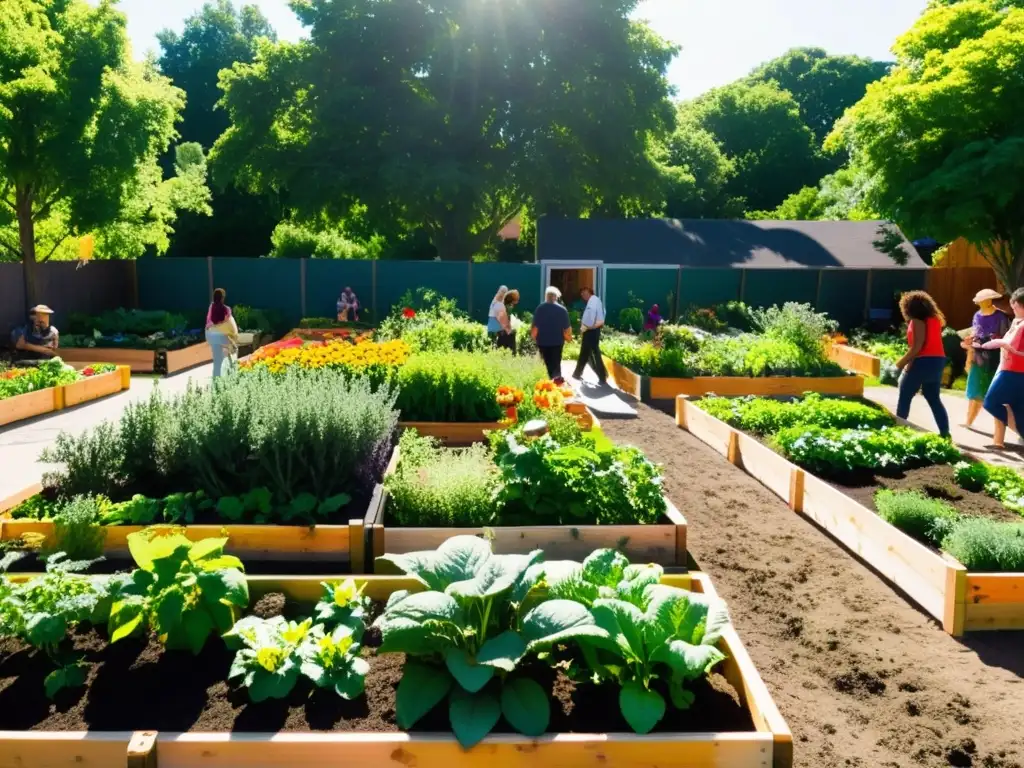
835	265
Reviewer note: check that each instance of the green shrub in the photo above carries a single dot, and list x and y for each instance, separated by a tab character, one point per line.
461	386
987	545
77	530
830	451
307	432
928	520
765	416
125	322
291	240
631	320
798	324
433	486
1004	484
677	337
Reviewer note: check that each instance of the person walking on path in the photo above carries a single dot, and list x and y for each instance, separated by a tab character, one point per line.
590	347
551	330
499	326
989	323
38	340
1005	398
221	331
923	365
507	335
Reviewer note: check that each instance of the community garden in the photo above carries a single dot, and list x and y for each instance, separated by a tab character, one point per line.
400	539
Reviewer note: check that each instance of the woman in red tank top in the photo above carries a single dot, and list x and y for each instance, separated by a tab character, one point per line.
924	364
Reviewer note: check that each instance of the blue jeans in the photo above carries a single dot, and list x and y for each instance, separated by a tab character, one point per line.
924	374
1007	390
220	346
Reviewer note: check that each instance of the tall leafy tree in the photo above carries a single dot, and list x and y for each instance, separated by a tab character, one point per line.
214	38
824	86
761	131
697	174
942	134
78	118
449	116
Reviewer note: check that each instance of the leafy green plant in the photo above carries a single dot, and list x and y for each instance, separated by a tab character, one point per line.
77	530
268	659
332	661
49	373
631	320
926	519
465	637
987	545
829	451
590	482
677	337
434	486
653	632
343	605
1001	483
798	324
41	611
765	416
182	591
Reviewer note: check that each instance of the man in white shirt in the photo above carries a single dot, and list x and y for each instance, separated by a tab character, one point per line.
590	346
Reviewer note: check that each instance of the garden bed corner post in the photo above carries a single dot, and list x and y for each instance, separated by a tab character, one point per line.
142	750
954	613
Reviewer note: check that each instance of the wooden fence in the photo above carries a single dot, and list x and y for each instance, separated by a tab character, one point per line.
954	289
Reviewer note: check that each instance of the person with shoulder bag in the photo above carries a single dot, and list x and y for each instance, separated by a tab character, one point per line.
221	332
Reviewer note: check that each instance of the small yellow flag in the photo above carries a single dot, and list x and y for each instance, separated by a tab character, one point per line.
85	246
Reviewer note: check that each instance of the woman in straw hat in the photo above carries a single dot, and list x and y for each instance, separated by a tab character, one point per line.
989	323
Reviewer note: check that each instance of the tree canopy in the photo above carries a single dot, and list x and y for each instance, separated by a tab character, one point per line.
81	124
941	135
451	116
214	38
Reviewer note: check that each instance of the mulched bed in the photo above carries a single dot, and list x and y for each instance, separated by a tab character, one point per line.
136	685
863	678
935	481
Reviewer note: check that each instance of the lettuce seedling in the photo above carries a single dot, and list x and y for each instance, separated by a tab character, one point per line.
343	605
672	635
606	573
183	591
274	653
42	610
468	630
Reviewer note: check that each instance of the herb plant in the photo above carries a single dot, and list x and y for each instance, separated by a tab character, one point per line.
77	530
927	520
465	636
830	451
343	605
182	591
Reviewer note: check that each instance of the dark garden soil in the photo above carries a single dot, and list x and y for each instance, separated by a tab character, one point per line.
136	685
935	481
862	677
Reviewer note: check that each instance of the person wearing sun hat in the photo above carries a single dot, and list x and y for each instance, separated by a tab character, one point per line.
989	323
37	340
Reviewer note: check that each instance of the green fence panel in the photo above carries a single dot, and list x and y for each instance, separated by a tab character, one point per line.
325	280
704	287
886	284
639	288
261	283
394	278
842	295
768	287
488	277
175	285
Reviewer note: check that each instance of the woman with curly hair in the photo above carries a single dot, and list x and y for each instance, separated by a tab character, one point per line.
923	365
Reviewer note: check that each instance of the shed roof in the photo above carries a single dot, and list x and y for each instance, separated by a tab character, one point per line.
720	243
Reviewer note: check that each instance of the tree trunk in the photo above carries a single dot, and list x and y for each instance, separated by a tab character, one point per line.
27	237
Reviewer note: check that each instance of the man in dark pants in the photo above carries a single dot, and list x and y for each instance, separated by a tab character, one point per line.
590	347
551	329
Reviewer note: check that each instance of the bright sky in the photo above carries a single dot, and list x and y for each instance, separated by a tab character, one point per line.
722	40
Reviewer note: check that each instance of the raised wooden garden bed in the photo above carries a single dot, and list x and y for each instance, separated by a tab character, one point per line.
663	543
769	745
268	543
141	360
645	388
938	583
52	399
855	360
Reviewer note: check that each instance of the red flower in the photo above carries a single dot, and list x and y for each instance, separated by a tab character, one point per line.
511	412
88	371
408	313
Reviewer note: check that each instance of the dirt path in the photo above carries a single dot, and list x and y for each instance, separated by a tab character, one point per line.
862	677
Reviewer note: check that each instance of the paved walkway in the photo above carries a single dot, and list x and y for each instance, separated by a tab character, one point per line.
21	443
606	401
977	441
